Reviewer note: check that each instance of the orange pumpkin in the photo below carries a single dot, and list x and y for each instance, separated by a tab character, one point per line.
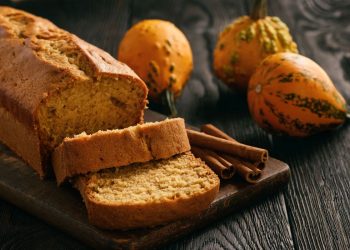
291	94
160	54
246	42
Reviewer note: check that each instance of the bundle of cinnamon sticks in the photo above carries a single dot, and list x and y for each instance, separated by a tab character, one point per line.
225	155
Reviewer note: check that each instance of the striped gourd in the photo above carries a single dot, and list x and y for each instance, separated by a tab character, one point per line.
291	94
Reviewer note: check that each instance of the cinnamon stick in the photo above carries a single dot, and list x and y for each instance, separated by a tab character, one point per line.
240	150
246	170
251	172
210	129
218	164
260	165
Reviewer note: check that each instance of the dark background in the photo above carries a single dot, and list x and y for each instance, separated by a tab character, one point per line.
313	212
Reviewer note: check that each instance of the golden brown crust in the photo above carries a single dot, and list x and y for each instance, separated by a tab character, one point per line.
15	134
128	216
28	76
147	215
142	143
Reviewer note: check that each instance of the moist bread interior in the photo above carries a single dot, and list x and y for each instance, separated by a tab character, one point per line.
106	104
179	177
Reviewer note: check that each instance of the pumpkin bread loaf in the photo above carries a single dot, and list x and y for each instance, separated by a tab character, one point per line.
54	85
148	194
141	143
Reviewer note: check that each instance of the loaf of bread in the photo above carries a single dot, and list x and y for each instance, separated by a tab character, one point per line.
54	85
64	100
148	194
141	143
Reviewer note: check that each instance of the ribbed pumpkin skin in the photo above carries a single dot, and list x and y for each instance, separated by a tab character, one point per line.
291	94
242	45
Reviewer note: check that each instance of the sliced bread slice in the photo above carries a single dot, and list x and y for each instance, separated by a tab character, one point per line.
148	194
114	148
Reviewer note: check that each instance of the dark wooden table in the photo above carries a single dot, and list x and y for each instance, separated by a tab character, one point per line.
314	211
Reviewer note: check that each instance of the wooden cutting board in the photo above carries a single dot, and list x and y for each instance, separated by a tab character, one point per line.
64	209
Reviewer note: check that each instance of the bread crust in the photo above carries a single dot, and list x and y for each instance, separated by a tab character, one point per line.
150	214
15	133
28	79
141	143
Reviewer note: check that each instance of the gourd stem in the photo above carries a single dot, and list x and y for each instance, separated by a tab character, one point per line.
171	102
168	102
259	10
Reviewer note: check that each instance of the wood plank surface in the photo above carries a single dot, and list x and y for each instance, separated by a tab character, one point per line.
313	213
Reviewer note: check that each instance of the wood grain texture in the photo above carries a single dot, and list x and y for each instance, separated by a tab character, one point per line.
244	230
317	200
19	230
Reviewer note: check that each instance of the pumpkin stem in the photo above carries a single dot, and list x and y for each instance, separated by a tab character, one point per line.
259	10
168	100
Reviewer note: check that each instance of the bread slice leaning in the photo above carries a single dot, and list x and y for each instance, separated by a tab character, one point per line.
114	148
148	194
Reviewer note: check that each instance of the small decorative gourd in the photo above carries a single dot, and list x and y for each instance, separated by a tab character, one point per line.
291	94
161	55
242	45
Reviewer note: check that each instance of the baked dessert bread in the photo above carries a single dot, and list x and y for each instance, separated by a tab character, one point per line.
148	194
141	143
54	85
